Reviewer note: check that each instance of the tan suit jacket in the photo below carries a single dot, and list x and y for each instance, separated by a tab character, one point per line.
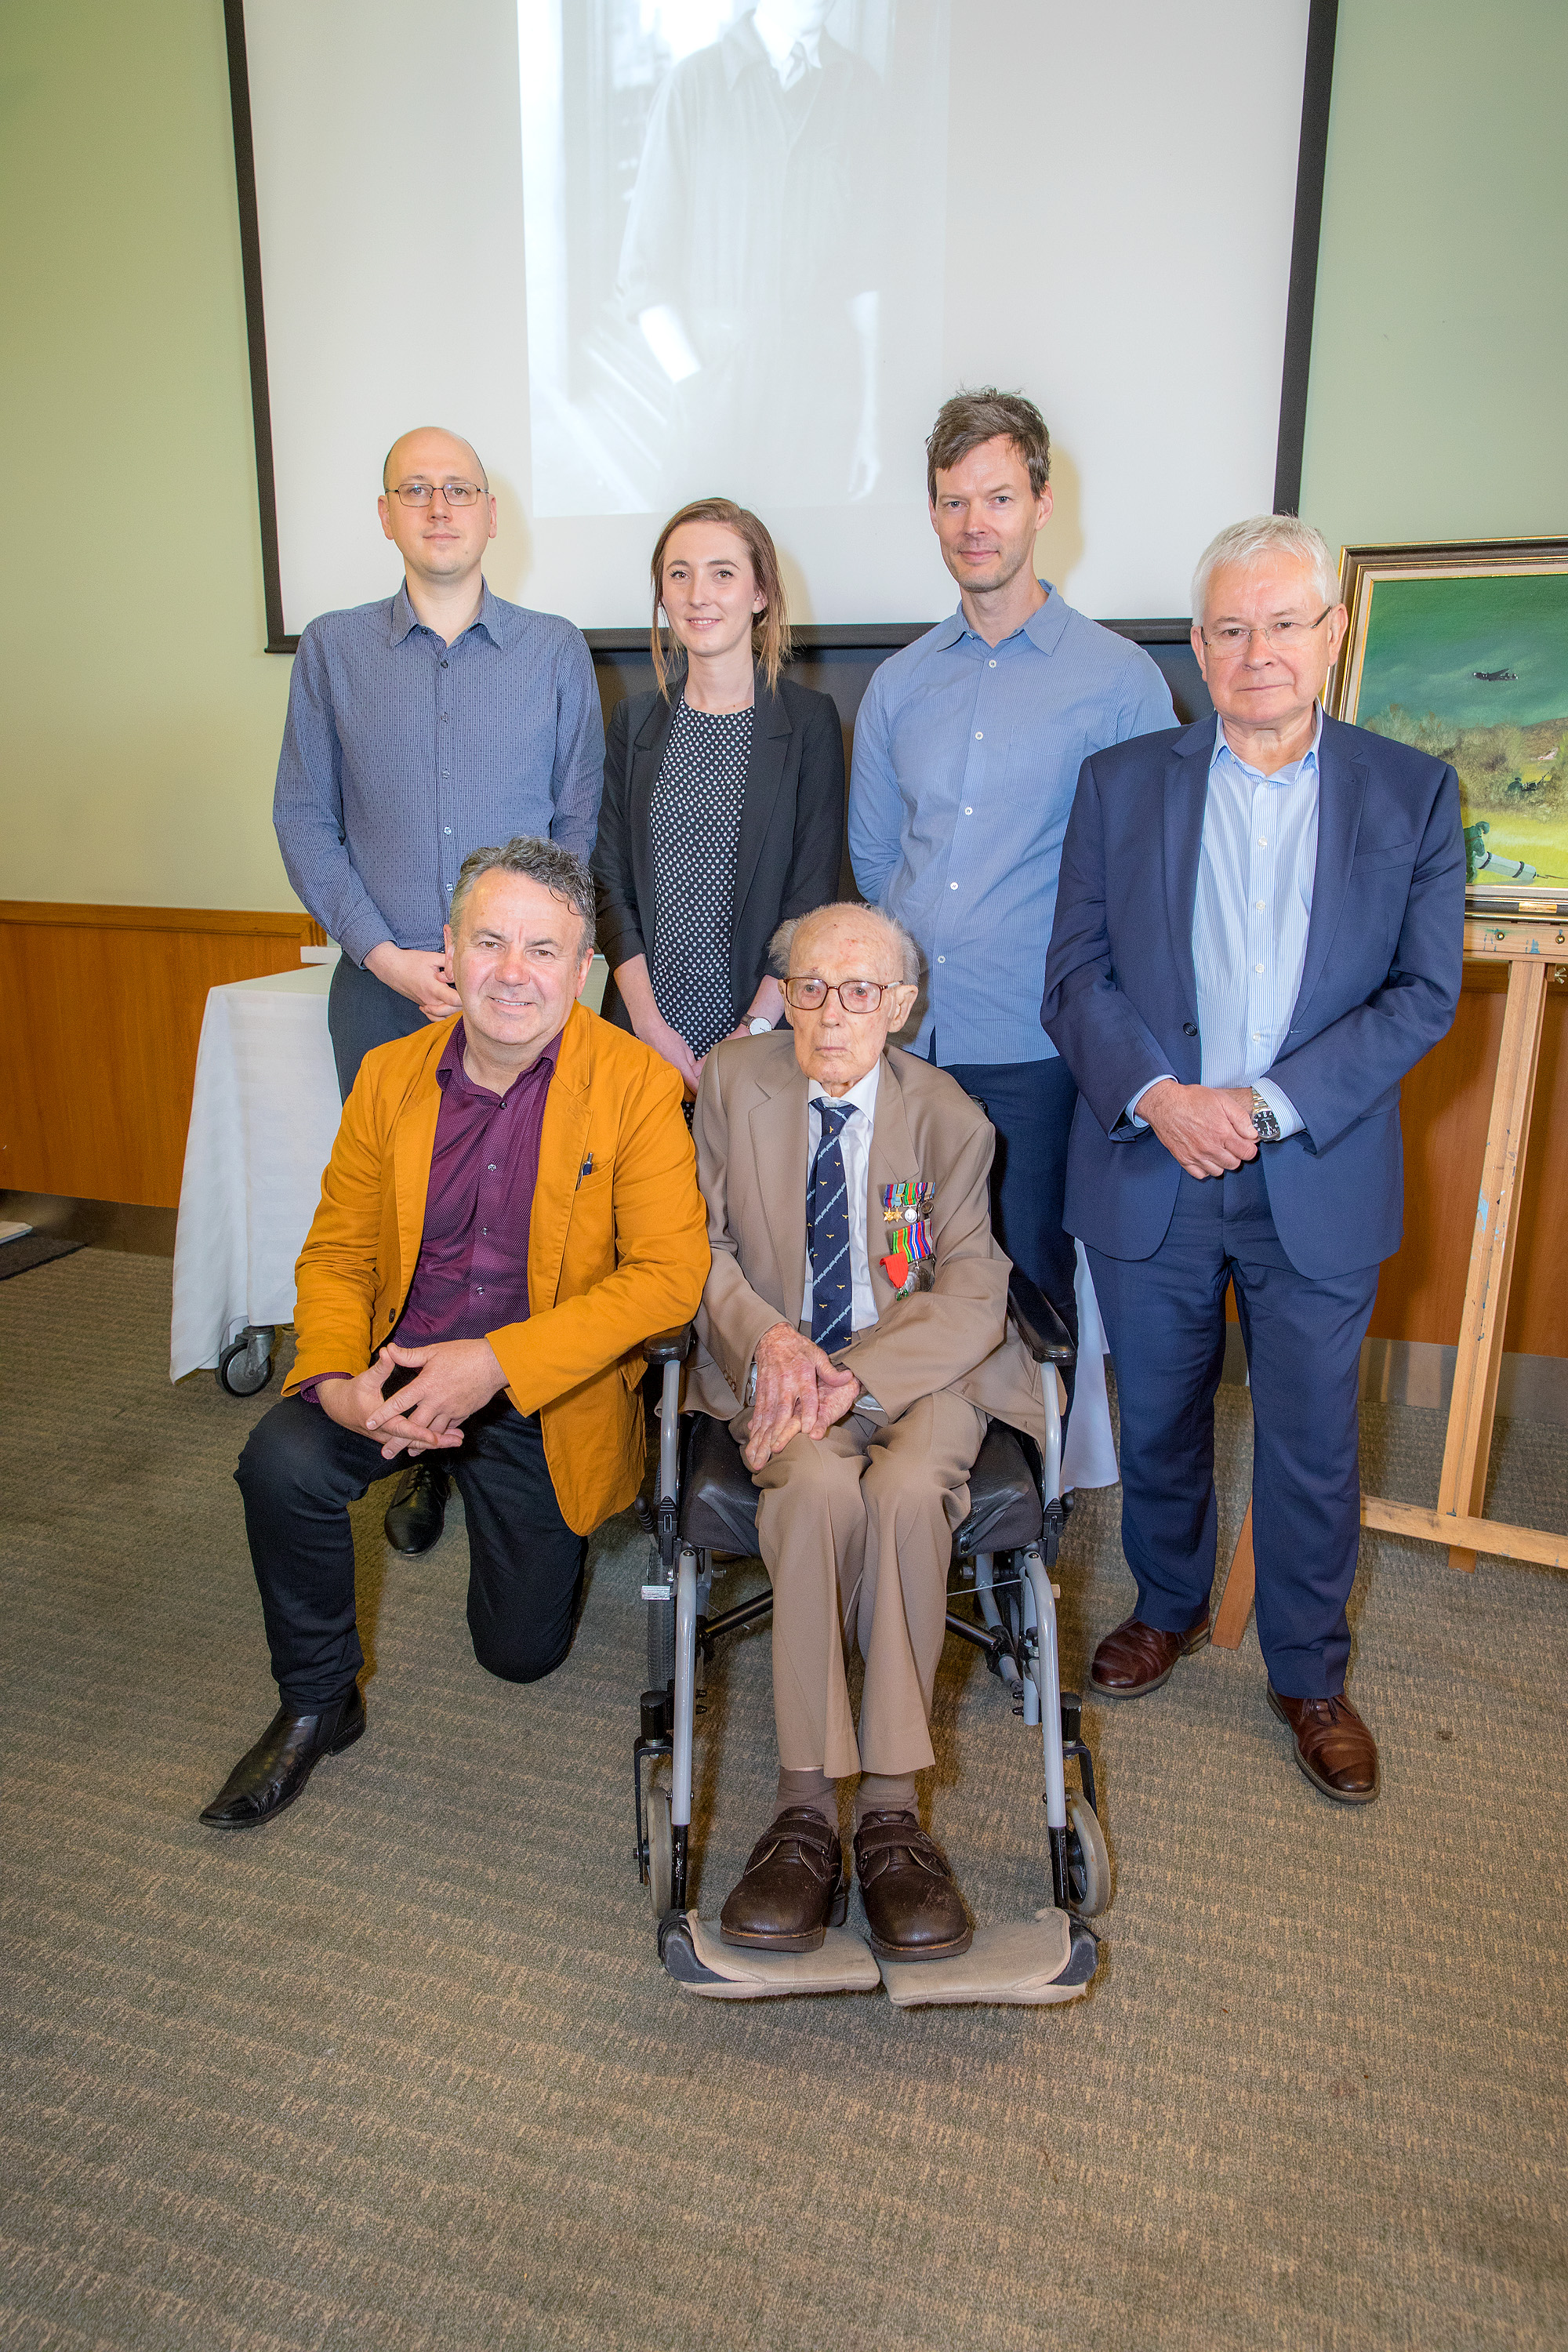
751	1131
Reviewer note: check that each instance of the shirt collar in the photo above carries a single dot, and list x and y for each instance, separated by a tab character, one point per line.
809	44
862	1094
1290	773
1042	628
498	620
451	1067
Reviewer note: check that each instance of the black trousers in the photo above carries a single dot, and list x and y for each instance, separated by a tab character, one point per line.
362	1012
298	1473
1030	1105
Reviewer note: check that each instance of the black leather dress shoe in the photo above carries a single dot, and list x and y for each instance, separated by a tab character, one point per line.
418	1512
914	1908
270	1776
792	1889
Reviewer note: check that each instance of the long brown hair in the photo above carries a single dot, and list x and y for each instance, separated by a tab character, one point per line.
770	629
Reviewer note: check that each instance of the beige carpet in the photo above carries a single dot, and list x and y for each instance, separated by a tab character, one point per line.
402	2071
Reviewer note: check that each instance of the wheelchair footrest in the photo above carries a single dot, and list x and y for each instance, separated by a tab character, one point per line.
1025	1965
697	1958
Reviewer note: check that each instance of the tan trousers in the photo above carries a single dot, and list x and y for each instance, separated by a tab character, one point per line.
856	1532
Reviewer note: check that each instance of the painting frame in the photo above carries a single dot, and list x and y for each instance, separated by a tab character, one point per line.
1362	569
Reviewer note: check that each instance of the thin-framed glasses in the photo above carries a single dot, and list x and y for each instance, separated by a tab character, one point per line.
419	494
854	995
1230	637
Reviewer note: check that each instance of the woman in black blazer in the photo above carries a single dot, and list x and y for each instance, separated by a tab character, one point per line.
723	807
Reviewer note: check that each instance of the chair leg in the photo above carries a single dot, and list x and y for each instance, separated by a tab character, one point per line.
1048	1688
685	1575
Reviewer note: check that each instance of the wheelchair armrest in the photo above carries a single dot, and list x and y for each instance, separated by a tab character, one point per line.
1037	1324
669	1347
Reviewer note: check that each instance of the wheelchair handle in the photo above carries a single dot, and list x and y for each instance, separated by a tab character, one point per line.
669	1347
1037	1324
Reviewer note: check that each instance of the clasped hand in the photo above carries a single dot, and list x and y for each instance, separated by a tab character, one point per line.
452	1379
1207	1130
800	1393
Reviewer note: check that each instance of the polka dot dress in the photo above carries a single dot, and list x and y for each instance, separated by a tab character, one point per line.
695	824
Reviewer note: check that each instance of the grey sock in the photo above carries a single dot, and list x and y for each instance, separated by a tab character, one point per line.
884	1792
813	1790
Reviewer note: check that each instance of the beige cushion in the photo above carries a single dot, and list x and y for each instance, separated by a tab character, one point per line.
844	1964
1016	1966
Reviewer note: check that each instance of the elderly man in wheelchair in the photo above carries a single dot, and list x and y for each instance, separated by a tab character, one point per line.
854	1337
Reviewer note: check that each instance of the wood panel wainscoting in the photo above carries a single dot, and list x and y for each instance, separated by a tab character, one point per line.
104	1010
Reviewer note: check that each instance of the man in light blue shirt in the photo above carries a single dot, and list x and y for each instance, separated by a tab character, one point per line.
1257	934
967	749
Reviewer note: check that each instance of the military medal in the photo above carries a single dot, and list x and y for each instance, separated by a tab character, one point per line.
906	1216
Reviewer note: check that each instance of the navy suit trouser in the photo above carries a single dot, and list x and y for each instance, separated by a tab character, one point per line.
1164	1318
1030	1105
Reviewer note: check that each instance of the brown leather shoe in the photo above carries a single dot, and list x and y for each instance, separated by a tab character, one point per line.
914	1908
792	1888
1334	1746
1134	1658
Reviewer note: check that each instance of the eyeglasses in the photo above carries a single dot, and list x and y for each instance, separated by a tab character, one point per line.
1279	636
854	995
419	494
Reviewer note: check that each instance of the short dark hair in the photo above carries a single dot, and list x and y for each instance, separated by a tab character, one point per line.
562	875
971	418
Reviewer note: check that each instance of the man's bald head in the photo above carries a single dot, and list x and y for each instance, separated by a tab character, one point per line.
433	454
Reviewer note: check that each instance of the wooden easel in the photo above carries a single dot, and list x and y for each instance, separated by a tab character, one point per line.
1535	949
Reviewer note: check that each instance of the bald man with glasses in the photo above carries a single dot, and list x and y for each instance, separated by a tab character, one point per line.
420	728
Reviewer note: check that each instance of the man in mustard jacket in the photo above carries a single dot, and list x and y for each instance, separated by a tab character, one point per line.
511	1208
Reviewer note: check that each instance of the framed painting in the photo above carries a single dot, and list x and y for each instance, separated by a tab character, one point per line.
1461	649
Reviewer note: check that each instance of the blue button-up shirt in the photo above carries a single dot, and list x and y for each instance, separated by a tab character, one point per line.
967	758
402	753
1256	868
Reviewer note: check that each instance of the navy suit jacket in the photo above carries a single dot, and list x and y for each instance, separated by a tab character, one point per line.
1379	986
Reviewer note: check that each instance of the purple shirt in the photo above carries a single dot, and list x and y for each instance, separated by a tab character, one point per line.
472	1274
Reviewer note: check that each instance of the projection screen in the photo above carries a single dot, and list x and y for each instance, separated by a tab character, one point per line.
639	251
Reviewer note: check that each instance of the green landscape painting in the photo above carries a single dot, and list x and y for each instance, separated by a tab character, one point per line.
1474	670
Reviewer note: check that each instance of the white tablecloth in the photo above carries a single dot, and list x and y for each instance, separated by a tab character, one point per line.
263	1117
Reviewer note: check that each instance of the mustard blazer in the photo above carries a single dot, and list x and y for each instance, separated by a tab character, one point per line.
612	1258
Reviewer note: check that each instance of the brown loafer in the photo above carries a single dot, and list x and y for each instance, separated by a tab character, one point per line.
792	1888
914	1908
1334	1746
1134	1658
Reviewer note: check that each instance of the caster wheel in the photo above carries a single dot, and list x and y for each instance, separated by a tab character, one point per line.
660	1849
1088	1864
245	1366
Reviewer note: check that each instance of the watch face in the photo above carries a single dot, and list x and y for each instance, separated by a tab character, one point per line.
760	1028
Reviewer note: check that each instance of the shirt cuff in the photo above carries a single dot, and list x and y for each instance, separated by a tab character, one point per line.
1291	1119
1131	1116
309	1392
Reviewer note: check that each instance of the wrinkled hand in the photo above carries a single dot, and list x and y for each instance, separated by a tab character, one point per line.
1207	1130
799	1392
452	1379
672	1047
351	1403
419	975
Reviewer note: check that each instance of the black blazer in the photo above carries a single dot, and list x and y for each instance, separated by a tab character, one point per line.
791	829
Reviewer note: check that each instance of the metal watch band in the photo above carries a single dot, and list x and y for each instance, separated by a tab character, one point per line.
1265	1125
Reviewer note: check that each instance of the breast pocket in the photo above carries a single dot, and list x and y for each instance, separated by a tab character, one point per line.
590	1253
1376	857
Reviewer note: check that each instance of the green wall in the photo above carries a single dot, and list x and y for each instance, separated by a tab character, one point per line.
143	719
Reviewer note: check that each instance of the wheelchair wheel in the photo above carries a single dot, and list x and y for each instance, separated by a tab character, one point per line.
1088	1864
660	1849
245	1367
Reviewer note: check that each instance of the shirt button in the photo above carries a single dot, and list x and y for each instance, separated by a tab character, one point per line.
1258	967
443	665
942	958
1256	902
1261	843
478	1290
979	735
447	829
484	1229
991	663
952	886
493	1165
446	771
969	811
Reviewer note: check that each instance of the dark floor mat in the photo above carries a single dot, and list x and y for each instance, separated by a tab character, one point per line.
33	1249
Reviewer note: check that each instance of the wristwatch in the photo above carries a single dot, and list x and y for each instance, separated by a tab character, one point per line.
1265	1126
759	1027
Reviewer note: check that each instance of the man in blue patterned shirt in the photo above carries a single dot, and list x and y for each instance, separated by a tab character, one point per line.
967	749
420	728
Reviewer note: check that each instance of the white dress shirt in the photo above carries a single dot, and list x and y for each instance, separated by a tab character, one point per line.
1254	901
855	1142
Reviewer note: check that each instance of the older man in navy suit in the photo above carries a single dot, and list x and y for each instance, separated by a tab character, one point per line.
1259	932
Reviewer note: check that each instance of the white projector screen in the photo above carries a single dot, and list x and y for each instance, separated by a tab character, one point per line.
634	261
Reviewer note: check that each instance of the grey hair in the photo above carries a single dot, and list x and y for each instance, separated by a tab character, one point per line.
563	876
902	941
1265	535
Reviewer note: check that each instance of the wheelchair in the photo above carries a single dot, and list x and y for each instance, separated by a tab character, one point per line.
1004	1556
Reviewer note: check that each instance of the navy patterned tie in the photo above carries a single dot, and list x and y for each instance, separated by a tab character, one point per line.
828	1234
